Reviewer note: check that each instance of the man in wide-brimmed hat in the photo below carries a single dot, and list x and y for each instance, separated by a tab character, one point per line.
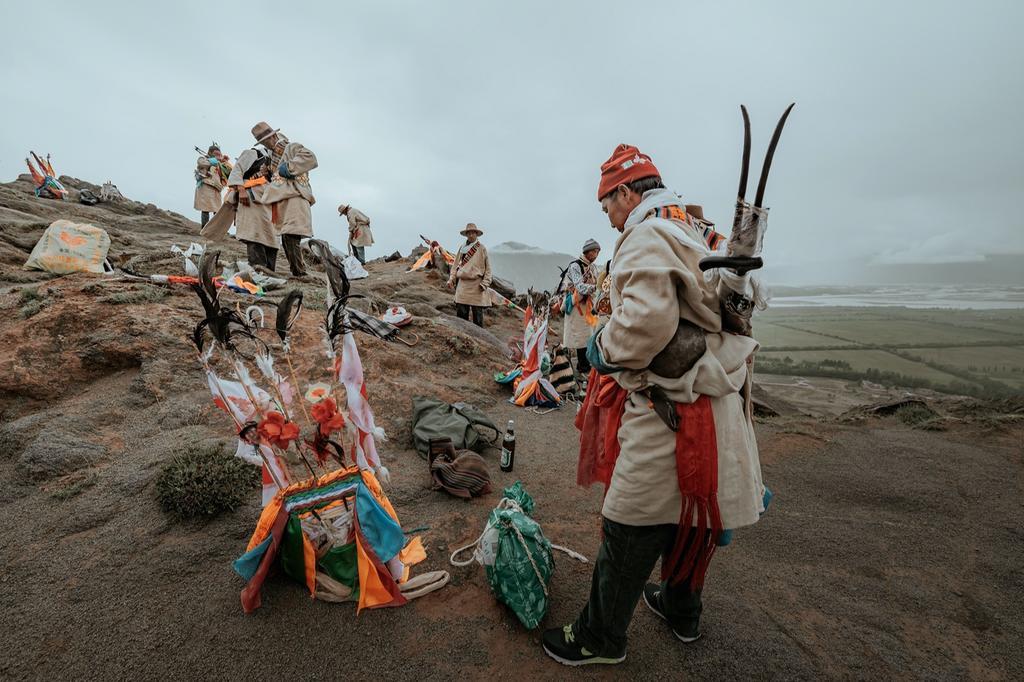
678	455
210	181
577	304
288	194
471	276
359	235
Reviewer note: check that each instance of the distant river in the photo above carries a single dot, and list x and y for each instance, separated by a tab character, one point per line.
964	298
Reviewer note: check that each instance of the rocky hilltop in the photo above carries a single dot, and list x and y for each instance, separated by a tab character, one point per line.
893	547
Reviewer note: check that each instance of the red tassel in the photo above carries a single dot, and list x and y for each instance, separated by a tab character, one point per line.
700	520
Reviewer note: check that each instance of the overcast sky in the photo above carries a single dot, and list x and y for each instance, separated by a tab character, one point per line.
906	143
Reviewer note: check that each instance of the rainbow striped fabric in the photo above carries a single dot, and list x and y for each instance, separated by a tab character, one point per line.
676	213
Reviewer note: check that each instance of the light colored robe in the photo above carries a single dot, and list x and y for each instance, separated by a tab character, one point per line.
359	233
209	186
655	282
253	223
473	278
576	331
293	197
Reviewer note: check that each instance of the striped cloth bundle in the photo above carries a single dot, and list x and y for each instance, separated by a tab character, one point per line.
462	473
561	371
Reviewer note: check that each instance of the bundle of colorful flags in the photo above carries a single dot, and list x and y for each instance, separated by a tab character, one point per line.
498	300
339	536
434	249
45	178
572	301
529	385
338	550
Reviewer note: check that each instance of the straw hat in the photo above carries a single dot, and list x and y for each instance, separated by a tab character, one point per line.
262	131
471	227
343	207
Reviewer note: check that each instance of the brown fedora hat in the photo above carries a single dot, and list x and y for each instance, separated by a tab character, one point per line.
697	211
262	131
471	227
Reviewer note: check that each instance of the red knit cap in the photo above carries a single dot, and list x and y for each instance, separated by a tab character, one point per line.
625	165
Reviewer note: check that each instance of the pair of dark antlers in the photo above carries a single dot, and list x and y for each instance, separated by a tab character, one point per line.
743	264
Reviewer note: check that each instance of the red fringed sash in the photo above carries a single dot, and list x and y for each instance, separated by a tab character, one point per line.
700	521
598	422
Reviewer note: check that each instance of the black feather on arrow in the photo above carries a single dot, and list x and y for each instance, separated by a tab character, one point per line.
220	322
336	276
209	264
287	312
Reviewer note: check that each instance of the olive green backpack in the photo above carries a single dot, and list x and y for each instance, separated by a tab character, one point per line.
466	425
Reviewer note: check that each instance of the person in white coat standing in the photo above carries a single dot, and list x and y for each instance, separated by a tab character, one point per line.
684	462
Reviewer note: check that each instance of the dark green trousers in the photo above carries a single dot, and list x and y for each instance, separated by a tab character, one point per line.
293	253
623	566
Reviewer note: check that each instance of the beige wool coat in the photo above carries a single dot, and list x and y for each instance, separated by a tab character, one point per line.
472	279
359	233
655	282
208	189
293	197
253	223
576	331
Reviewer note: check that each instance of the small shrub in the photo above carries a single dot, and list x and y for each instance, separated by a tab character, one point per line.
29	309
147	295
915	414
460	345
29	294
204	481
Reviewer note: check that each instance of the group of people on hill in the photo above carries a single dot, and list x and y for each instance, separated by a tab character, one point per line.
269	199
675	449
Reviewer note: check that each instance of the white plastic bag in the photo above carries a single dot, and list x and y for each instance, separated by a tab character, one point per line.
354	269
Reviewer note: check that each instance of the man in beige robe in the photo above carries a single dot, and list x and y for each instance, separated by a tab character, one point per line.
359	234
655	283
210	181
581	284
471	277
254	225
289	193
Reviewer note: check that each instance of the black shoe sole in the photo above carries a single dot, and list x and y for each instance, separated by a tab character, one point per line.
596	660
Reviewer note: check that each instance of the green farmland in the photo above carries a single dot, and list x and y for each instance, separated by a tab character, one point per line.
964	351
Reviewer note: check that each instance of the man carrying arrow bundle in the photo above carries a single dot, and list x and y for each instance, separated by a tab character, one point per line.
666	425
212	170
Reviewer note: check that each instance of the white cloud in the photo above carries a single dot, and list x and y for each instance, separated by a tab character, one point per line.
430	115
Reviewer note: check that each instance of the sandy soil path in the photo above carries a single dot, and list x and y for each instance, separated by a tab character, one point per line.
889	552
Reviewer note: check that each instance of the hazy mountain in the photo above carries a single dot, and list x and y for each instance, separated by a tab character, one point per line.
527	266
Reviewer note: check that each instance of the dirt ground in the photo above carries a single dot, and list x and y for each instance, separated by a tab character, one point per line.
889	551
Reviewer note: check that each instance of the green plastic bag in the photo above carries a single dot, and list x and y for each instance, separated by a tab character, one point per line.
523	562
